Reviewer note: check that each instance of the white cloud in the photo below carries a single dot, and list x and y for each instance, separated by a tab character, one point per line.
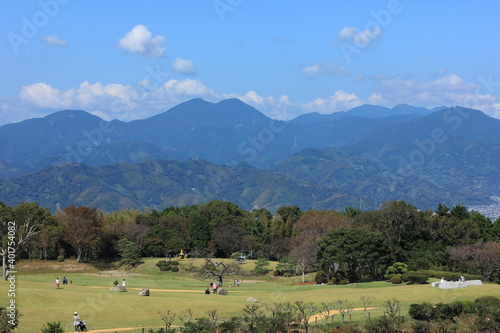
140	41
124	102
362	38
54	40
325	68
183	66
447	90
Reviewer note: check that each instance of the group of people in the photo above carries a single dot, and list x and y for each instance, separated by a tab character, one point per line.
461	279
64	281
116	283
215	287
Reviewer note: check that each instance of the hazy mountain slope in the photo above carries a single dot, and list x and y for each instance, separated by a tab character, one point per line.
159	183
438	158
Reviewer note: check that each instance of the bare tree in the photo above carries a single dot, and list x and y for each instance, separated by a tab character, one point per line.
252	311
392	307
213	319
284	315
81	227
228	237
186	316
18	226
305	311
344	308
326	310
484	258
366	303
218	270
168	317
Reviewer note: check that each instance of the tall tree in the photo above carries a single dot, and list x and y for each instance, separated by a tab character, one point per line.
353	252
199	231
17	227
394	219
129	252
81	227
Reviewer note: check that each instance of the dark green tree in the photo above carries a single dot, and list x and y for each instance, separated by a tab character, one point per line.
460	212
395	218
129	252
222	213
484	224
353	252
199	231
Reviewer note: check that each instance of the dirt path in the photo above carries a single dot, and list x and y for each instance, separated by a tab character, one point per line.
136	329
318	316
172	290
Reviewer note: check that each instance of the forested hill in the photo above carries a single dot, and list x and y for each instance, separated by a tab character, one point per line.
159	183
200	151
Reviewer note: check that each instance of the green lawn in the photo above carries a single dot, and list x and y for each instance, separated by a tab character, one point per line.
39	301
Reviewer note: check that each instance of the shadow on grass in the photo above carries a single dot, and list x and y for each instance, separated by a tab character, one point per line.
105	264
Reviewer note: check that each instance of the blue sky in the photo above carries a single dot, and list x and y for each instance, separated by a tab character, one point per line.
133	59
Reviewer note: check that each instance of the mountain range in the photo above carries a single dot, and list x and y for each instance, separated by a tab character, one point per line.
200	151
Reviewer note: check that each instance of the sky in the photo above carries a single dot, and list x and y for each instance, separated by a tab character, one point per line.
126	60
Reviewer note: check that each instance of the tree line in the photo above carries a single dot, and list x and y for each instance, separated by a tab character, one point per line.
351	243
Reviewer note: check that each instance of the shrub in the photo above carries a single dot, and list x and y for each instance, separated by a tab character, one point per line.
222	291
174	263
277	273
287	274
385	324
396	279
423	311
165	268
343	282
261	266
320	277
175	268
467	306
60	258
446	311
472	277
417	279
161	263
421	327
52	328
487	303
398	268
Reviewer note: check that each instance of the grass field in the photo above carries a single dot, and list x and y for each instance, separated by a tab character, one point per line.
40	302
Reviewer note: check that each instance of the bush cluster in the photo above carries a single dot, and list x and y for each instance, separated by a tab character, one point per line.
163	265
417	279
447	311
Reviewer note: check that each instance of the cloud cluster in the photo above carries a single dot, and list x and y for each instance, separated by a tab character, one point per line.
325	68
183	66
126	102
54	40
140	41
360	38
